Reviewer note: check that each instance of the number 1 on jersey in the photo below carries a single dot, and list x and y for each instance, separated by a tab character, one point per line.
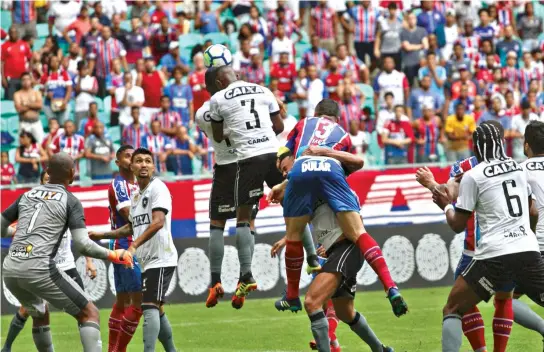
252	110
38	207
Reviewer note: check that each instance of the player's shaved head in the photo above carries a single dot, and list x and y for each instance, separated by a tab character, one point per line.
328	108
225	76
210	77
61	169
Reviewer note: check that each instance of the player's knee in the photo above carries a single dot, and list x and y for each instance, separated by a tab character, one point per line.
311	304
89	313
451	308
23	312
41	320
218	223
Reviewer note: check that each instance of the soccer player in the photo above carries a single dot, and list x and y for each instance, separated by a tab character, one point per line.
65	262
127	309
534	167
321	174
507	251
247	118
222	202
150	225
337	279
44	213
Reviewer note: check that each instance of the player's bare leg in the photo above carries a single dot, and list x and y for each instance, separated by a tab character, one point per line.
294	257
16	326
131	319
352	227
89	328
244	242
460	300
216	251
322	288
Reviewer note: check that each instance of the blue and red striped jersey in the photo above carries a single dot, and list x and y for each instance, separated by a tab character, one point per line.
119	193
318	131
472	231
23	12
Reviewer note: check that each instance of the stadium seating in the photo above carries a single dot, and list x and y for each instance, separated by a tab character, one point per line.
218	38
38	43
42	29
292	109
189	40
126	25
5	19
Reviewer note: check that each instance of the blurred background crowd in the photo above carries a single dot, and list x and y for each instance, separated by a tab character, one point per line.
413	77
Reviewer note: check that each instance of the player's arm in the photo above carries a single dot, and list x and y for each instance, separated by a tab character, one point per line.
158	219
275	114
123	231
350	161
83	244
426	178
8	217
217	121
458	216
533	214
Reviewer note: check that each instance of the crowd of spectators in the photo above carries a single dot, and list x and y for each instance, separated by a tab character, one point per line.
412	77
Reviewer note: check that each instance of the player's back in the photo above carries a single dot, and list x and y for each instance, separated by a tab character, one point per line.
43	216
535	176
317	131
498	192
246	109
224	151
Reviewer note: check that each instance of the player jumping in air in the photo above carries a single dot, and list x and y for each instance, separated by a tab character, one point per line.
127	309
222	201
65	262
507	250
150	226
320	174
44	214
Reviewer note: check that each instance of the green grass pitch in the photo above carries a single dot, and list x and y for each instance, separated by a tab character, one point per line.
259	327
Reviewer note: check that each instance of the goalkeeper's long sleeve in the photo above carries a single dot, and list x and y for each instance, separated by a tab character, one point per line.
86	246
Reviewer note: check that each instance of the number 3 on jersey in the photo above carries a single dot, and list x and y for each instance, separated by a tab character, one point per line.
251	104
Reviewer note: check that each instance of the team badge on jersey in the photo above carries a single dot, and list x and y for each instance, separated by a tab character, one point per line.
144	202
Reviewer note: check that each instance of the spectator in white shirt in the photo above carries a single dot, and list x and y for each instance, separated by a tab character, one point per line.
242	57
86	88
387	113
315	89
519	123
61	15
115	7
127	97
281	44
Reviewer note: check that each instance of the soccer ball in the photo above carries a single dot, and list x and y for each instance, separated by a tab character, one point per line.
217	55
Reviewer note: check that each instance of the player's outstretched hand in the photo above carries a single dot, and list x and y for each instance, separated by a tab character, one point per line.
314	150
321	252
90	269
441	197
425	177
95	236
276	194
276	248
121	256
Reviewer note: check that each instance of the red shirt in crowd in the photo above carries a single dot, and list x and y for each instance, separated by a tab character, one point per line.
157	16
456	89
198	85
7	173
15	57
285	75
88	128
152	86
332	81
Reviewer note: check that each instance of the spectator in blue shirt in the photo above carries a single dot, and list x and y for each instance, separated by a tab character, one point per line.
429	18
484	30
181	97
436	72
173	59
424	96
497	113
507	44
184	151
464	99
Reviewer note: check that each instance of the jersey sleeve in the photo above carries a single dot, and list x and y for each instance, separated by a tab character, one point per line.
214	110
468	195
11	214
120	192
292	137
76	216
161	198
273	106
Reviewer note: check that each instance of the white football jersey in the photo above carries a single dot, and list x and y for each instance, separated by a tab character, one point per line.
535	176
499	194
325	227
159	251
245	109
65	258
224	152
